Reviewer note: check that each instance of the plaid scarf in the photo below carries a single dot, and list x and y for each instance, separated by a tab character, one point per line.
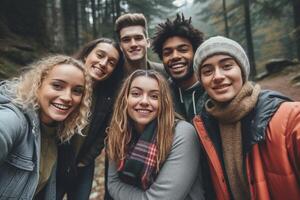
139	166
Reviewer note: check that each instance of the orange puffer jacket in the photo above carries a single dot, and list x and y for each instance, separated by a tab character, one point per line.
273	157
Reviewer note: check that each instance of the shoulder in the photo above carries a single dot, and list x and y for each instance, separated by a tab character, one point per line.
184	131
157	67
287	116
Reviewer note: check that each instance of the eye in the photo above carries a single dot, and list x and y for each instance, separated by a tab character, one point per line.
78	91
166	52
227	66
126	39
206	71
113	63
154	96
135	93
183	49
57	86
138	37
100	55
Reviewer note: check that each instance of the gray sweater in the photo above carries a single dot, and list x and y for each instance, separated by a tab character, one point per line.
178	179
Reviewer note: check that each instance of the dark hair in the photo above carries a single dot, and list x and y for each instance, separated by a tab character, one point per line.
117	74
178	27
131	19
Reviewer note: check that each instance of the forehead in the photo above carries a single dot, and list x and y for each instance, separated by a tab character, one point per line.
217	58
130	31
107	48
67	73
175	41
145	83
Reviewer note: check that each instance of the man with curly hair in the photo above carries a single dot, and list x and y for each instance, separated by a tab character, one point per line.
175	42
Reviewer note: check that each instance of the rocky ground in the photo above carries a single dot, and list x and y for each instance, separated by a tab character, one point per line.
286	82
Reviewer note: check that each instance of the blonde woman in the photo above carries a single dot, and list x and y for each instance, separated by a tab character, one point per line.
152	155
48	103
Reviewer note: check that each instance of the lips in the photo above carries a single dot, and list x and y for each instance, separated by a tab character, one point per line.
98	71
220	87
134	51
61	106
143	111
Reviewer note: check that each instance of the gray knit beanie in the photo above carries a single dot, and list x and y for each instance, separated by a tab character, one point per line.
222	45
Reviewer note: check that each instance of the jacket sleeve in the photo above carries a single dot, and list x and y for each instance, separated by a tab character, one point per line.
10	130
176	177
292	110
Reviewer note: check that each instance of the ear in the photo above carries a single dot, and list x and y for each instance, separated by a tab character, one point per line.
148	42
121	48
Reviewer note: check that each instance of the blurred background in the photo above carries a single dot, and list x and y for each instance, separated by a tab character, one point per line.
269	31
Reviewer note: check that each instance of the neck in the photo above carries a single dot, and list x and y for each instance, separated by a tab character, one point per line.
130	66
185	84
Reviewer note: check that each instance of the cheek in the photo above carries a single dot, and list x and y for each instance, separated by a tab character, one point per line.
205	82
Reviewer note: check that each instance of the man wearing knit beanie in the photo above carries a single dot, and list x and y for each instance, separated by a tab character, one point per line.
251	138
175	42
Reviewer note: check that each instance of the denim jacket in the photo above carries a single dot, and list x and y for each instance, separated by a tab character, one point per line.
20	153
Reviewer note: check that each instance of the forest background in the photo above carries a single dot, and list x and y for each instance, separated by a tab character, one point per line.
269	30
30	29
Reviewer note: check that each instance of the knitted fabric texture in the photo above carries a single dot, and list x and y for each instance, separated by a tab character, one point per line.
222	45
139	166
229	117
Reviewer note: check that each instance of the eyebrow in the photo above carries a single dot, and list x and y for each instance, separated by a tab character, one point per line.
135	87
175	47
221	61
65	82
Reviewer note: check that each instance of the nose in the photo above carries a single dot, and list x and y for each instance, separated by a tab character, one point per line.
133	42
144	101
103	61
218	75
175	55
66	96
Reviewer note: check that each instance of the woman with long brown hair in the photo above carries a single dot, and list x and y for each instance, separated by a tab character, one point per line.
103	61
152	154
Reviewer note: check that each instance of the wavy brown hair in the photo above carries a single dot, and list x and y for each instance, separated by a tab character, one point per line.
131	19
25	88
119	131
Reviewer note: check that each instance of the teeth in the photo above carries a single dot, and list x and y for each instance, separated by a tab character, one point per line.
98	70
60	106
174	66
143	111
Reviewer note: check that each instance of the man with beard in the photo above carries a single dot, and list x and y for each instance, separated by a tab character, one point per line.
175	42
132	32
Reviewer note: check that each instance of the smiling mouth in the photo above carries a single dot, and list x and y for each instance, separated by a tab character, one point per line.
98	70
61	106
135	51
143	111
218	87
177	65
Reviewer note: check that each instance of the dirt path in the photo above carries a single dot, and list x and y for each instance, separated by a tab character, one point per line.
280	82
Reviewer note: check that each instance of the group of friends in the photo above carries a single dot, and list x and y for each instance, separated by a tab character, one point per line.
191	128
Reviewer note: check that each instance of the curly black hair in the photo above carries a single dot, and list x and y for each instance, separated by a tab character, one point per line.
178	27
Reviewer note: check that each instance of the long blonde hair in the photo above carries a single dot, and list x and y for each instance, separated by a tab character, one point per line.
119	131
25	88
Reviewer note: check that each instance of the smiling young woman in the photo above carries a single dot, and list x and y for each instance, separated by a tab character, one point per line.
251	137
147	145
103	61
48	103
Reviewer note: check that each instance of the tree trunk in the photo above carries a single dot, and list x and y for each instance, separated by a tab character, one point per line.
57	26
249	39
296	8
94	17
225	19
